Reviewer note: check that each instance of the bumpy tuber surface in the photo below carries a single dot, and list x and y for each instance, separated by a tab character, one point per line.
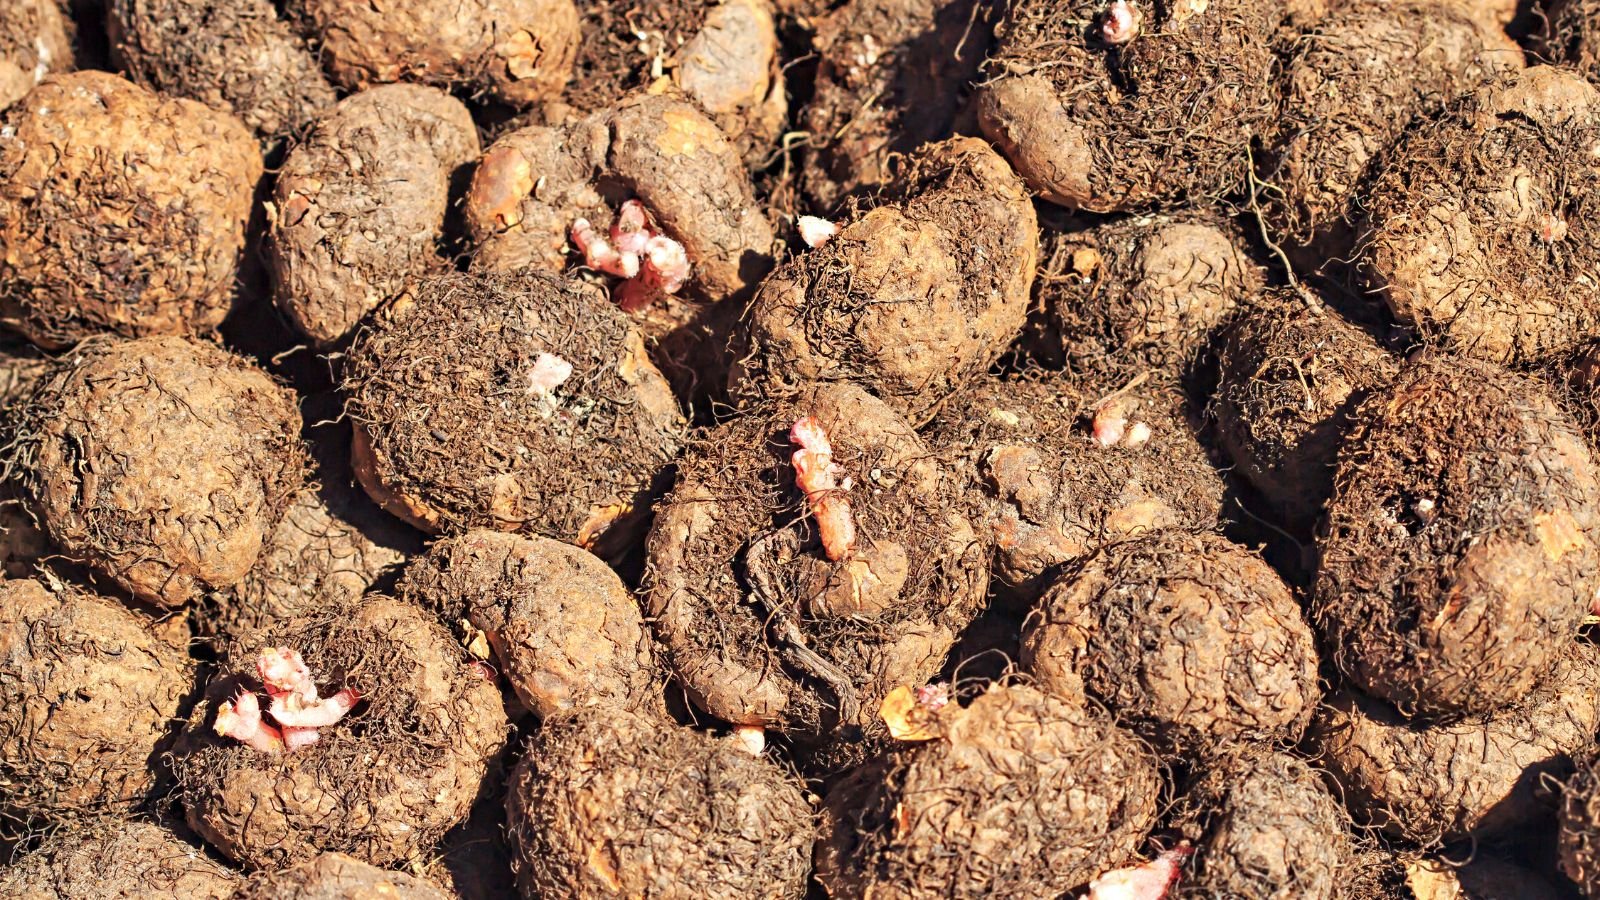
1476	777
335	876
35	41
1045	492
1141	293
453	368
88	694
1290	379
723	56
1458	554
113	858
237	56
517	51
613	804
739	578
1019	795
1120	109
911	299
1263	824
163	462
556	620
383	784
1353	84
1482	226
359	207
120	210
1192	640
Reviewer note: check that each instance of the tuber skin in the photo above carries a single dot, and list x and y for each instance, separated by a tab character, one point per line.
237	56
111	858
35	40
121	210
360	206
519	52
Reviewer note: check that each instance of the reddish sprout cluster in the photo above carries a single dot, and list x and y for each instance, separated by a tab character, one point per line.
293	705
1121	23
1111	426
651	264
934	697
818	477
1146	881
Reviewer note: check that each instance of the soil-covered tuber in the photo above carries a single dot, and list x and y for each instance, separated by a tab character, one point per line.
1264	825
759	624
1353	84
1141	293
360	206
559	623
35	40
516	51
1018	795
163	462
520	402
384	782
113	859
910	299
1291	377
721	55
1107	113
1476	777
335	876
89	695
1046	492
1459	551
237	56
610	803
1482	228
1192	641
120	210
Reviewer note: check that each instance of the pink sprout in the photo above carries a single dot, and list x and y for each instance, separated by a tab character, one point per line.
293	705
549	372
1112	428
933	697
814	231
1147	881
817	476
1121	23
651	264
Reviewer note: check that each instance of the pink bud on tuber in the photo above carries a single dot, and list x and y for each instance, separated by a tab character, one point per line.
817	476
294	705
1121	22
549	372
1148	881
651	263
